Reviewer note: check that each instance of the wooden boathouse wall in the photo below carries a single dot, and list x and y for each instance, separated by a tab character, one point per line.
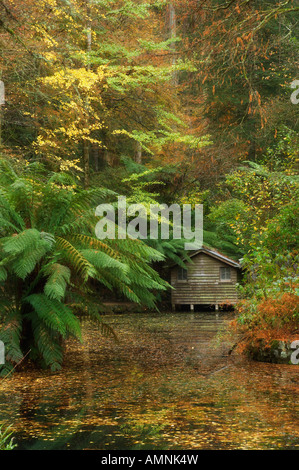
204	283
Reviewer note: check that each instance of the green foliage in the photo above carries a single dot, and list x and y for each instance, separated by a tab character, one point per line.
11	333
261	215
49	256
267	273
59	278
282	231
6	441
173	250
258	200
283	153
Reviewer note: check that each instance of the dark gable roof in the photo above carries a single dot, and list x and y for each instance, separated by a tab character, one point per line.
215	254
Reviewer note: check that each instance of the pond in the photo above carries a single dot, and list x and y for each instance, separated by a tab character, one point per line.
167	383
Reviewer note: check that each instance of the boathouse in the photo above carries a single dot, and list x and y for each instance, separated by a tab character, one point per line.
209	279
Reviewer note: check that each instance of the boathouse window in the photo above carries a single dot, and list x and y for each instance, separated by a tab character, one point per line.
182	274
225	274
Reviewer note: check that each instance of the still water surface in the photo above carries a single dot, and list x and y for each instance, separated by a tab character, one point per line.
168	383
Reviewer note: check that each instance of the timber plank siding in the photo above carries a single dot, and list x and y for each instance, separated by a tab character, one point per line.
204	282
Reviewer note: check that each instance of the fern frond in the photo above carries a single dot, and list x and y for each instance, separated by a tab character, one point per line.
75	258
101	260
25	264
59	277
8	213
3	274
78	221
138	249
10	334
26	250
55	315
94	243
47	345
25	240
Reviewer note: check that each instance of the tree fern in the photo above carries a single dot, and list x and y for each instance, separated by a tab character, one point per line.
49	255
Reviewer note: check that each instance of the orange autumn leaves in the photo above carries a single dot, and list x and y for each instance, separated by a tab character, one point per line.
273	318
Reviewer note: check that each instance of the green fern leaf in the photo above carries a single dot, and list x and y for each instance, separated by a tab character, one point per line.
55	315
75	258
59	277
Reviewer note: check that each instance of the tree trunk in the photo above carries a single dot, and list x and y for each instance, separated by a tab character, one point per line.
86	150
172	32
138	153
86	163
107	157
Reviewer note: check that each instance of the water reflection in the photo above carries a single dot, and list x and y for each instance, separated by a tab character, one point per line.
168	384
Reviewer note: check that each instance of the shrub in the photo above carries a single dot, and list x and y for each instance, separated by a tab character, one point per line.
275	318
